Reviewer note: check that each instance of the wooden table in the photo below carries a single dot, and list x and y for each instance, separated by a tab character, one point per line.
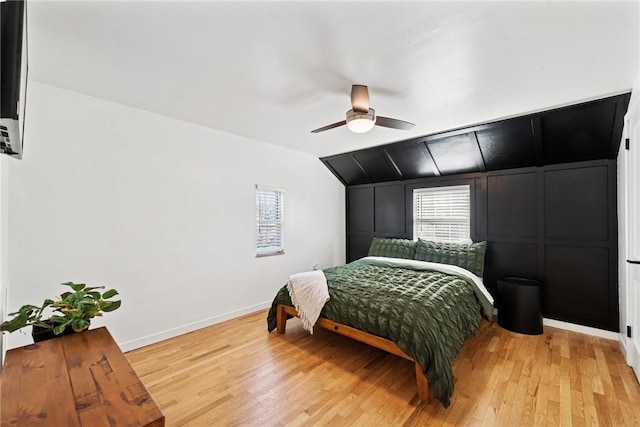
80	379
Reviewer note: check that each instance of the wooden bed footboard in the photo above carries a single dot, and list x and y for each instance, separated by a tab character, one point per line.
424	389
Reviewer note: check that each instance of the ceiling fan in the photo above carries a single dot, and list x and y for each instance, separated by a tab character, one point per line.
361	118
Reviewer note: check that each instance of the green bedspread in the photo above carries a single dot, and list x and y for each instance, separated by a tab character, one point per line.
428	314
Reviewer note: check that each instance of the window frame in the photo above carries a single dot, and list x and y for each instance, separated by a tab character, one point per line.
442	188
278	223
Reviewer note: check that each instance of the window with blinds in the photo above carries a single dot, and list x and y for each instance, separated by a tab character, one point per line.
269	221
442	214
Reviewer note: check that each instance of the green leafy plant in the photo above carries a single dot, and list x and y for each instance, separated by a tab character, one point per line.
73	309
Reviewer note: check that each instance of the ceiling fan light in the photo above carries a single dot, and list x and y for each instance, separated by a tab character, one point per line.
361	122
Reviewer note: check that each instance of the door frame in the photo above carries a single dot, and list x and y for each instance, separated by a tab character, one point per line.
630	247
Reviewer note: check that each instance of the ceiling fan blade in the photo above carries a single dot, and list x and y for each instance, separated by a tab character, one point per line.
360	98
331	126
393	123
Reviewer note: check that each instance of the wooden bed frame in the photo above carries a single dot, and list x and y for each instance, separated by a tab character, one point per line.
424	389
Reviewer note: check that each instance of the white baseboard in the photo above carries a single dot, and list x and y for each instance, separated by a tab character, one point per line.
581	329
577	328
622	338
171	333
631	354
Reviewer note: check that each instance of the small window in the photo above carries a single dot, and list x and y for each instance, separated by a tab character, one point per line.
269	221
442	214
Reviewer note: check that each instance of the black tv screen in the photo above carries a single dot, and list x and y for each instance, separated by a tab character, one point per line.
13	76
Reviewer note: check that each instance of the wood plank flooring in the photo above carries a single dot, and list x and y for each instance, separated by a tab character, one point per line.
234	373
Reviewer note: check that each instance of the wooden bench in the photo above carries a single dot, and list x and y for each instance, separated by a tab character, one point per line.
80	379
424	389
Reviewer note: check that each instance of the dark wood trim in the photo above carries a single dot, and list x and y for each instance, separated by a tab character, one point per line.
540	224
536	130
427	152
617	127
479	158
359	165
612	204
392	163
333	171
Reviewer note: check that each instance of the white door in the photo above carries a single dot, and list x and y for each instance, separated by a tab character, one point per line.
632	226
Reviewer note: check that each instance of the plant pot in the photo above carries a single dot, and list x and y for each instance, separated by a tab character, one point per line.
41	334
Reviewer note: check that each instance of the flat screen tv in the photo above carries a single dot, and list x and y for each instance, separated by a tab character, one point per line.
13	76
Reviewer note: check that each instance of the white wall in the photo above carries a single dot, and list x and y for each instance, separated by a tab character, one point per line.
4	192
160	209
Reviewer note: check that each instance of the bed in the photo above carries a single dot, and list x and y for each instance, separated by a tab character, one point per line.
395	300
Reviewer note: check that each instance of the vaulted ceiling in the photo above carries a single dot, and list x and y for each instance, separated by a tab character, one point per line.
273	71
581	132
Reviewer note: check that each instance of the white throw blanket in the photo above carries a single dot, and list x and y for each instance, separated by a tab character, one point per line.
309	293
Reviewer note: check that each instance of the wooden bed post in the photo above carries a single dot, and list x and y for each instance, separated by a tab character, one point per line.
281	319
423	384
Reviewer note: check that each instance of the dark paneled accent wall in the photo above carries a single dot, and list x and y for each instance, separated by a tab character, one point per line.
556	224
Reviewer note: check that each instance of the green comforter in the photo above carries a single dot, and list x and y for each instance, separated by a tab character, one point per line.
428	314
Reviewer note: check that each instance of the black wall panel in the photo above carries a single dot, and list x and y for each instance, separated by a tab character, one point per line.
577	284
504	259
412	159
507	145
574	204
554	223
480	205
512	206
348	169
360	209
577	134
389	209
358	244
455	154
377	165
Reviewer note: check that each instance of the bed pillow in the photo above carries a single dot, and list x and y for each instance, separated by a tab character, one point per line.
465	255
393	248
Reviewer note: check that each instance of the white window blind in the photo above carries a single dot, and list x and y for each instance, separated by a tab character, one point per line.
442	214
269	221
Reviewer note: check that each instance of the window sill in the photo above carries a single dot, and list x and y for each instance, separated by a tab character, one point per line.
265	254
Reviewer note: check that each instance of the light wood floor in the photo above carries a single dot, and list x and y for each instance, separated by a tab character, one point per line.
234	373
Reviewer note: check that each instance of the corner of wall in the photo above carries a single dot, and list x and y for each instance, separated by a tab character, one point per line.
4	287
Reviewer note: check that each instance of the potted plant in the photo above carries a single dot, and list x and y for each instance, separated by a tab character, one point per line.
72	312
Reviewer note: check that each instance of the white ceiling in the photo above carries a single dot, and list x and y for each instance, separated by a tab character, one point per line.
273	71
